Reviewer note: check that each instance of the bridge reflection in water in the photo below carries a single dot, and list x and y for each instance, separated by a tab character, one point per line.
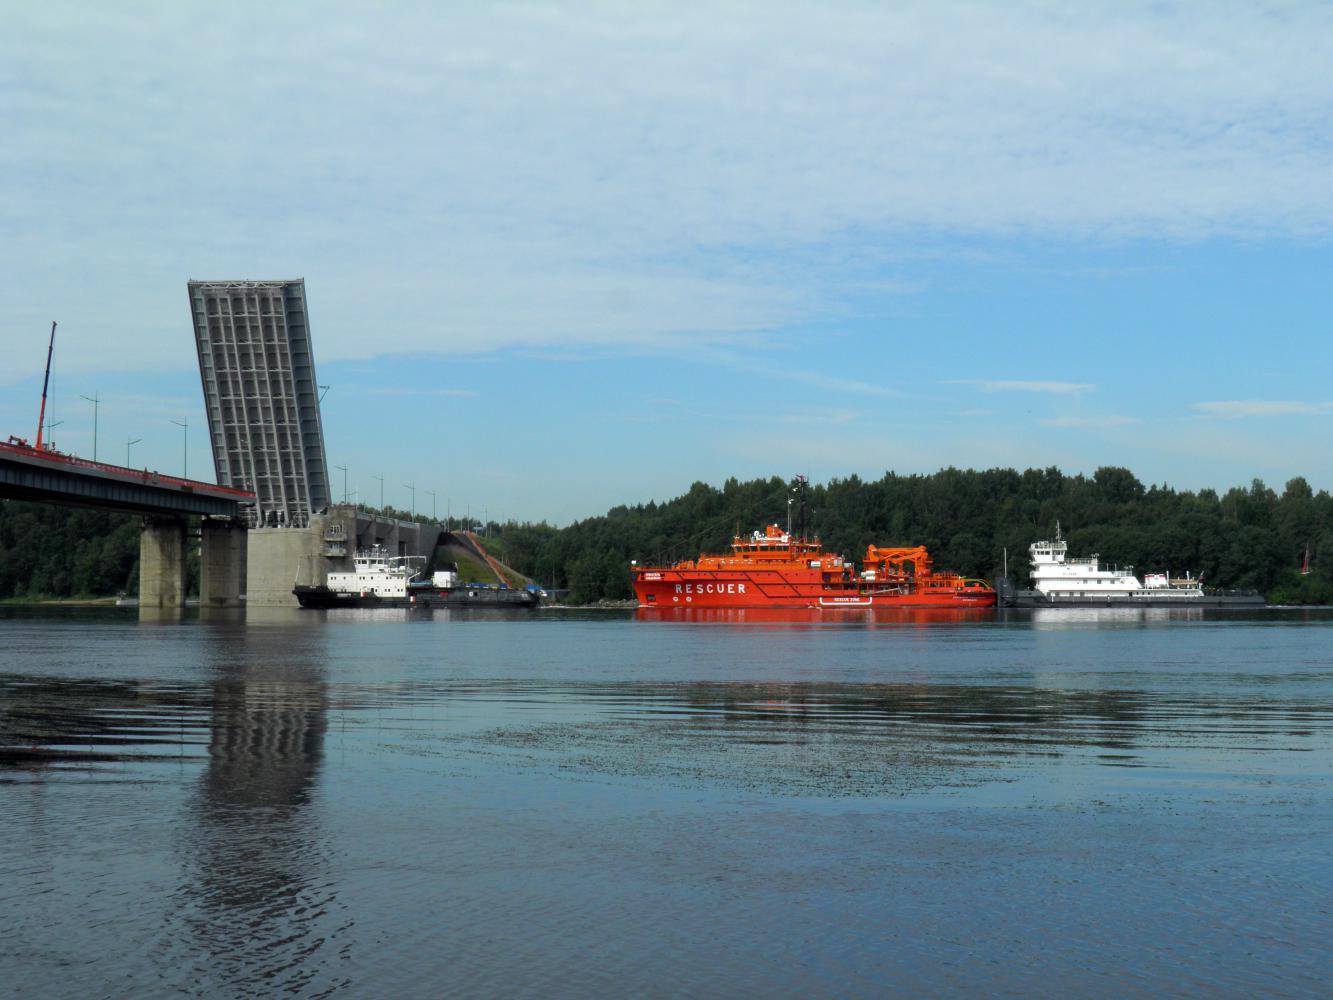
258	903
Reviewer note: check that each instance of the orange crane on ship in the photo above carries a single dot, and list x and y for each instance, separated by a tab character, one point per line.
892	561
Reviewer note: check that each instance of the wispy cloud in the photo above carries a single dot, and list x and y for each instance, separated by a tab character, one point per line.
1236	408
1005	385
1110	420
794	372
505	175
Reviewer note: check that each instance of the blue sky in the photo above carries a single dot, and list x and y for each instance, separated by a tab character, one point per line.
560	257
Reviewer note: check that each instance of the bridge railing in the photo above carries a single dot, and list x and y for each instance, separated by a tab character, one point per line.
153	478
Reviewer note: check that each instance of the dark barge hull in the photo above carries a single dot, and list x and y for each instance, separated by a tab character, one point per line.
419	597
472	597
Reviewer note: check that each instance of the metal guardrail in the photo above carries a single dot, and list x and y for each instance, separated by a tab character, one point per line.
55	459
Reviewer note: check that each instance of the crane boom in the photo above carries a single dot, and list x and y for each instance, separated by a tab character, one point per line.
46	381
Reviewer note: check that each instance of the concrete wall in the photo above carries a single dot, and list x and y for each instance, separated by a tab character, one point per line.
279	558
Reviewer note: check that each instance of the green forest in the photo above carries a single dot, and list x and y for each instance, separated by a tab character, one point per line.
1247	538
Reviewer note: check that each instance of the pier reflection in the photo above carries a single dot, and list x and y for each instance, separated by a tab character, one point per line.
258	896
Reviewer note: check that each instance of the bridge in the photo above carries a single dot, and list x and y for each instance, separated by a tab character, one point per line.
165	502
271	521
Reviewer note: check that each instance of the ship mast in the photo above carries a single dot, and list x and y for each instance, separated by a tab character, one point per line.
799	490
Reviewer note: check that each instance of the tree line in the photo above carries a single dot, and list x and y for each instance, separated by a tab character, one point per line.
1246	538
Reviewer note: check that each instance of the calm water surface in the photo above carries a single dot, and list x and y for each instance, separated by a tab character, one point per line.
570	805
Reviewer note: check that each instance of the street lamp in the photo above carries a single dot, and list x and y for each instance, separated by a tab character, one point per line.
344	472
431	494
95	400
413	487
49	425
381	480
184	425
129	443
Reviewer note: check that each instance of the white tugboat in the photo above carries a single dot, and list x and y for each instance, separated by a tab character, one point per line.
1059	580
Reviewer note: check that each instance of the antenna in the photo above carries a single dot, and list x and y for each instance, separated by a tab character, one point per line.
46	381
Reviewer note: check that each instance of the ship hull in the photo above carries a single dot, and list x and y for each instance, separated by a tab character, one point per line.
1035	599
777	589
327	597
440	597
473	597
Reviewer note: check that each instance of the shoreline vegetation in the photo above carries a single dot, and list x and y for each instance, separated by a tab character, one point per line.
1245	538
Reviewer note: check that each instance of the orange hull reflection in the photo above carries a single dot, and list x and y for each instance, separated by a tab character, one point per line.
815	616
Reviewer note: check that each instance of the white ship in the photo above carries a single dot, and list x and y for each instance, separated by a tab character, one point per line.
378	580
1058	579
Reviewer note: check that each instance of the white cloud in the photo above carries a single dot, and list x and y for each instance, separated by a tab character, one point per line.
462	178
1002	385
1235	408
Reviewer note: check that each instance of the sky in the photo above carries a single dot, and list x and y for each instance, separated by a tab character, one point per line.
560	257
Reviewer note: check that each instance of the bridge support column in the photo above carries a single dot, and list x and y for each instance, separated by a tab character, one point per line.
162	562
221	562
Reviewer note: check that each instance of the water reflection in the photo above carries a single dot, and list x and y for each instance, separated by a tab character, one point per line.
258	905
816	616
75	722
1056	618
868	739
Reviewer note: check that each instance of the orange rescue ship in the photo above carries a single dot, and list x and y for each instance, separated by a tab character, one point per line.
776	570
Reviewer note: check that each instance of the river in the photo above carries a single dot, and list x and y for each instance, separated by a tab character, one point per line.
575	804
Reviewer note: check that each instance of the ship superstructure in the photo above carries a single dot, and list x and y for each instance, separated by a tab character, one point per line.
374	574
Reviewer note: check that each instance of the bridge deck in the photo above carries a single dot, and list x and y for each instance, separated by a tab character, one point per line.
52	477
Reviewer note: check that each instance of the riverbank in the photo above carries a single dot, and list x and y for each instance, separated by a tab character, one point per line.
68	602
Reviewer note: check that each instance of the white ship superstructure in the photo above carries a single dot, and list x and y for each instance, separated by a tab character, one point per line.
374	573
1058	577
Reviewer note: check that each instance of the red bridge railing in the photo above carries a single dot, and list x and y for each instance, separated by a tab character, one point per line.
150	478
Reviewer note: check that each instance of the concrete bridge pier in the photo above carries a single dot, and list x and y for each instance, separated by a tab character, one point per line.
162	562
222	552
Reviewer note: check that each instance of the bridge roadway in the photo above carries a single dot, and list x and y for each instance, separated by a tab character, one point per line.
166	502
53	477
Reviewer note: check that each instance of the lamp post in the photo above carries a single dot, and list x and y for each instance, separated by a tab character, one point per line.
381	481
130	443
95	399
344	472
431	494
412	516
184	425
50	424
